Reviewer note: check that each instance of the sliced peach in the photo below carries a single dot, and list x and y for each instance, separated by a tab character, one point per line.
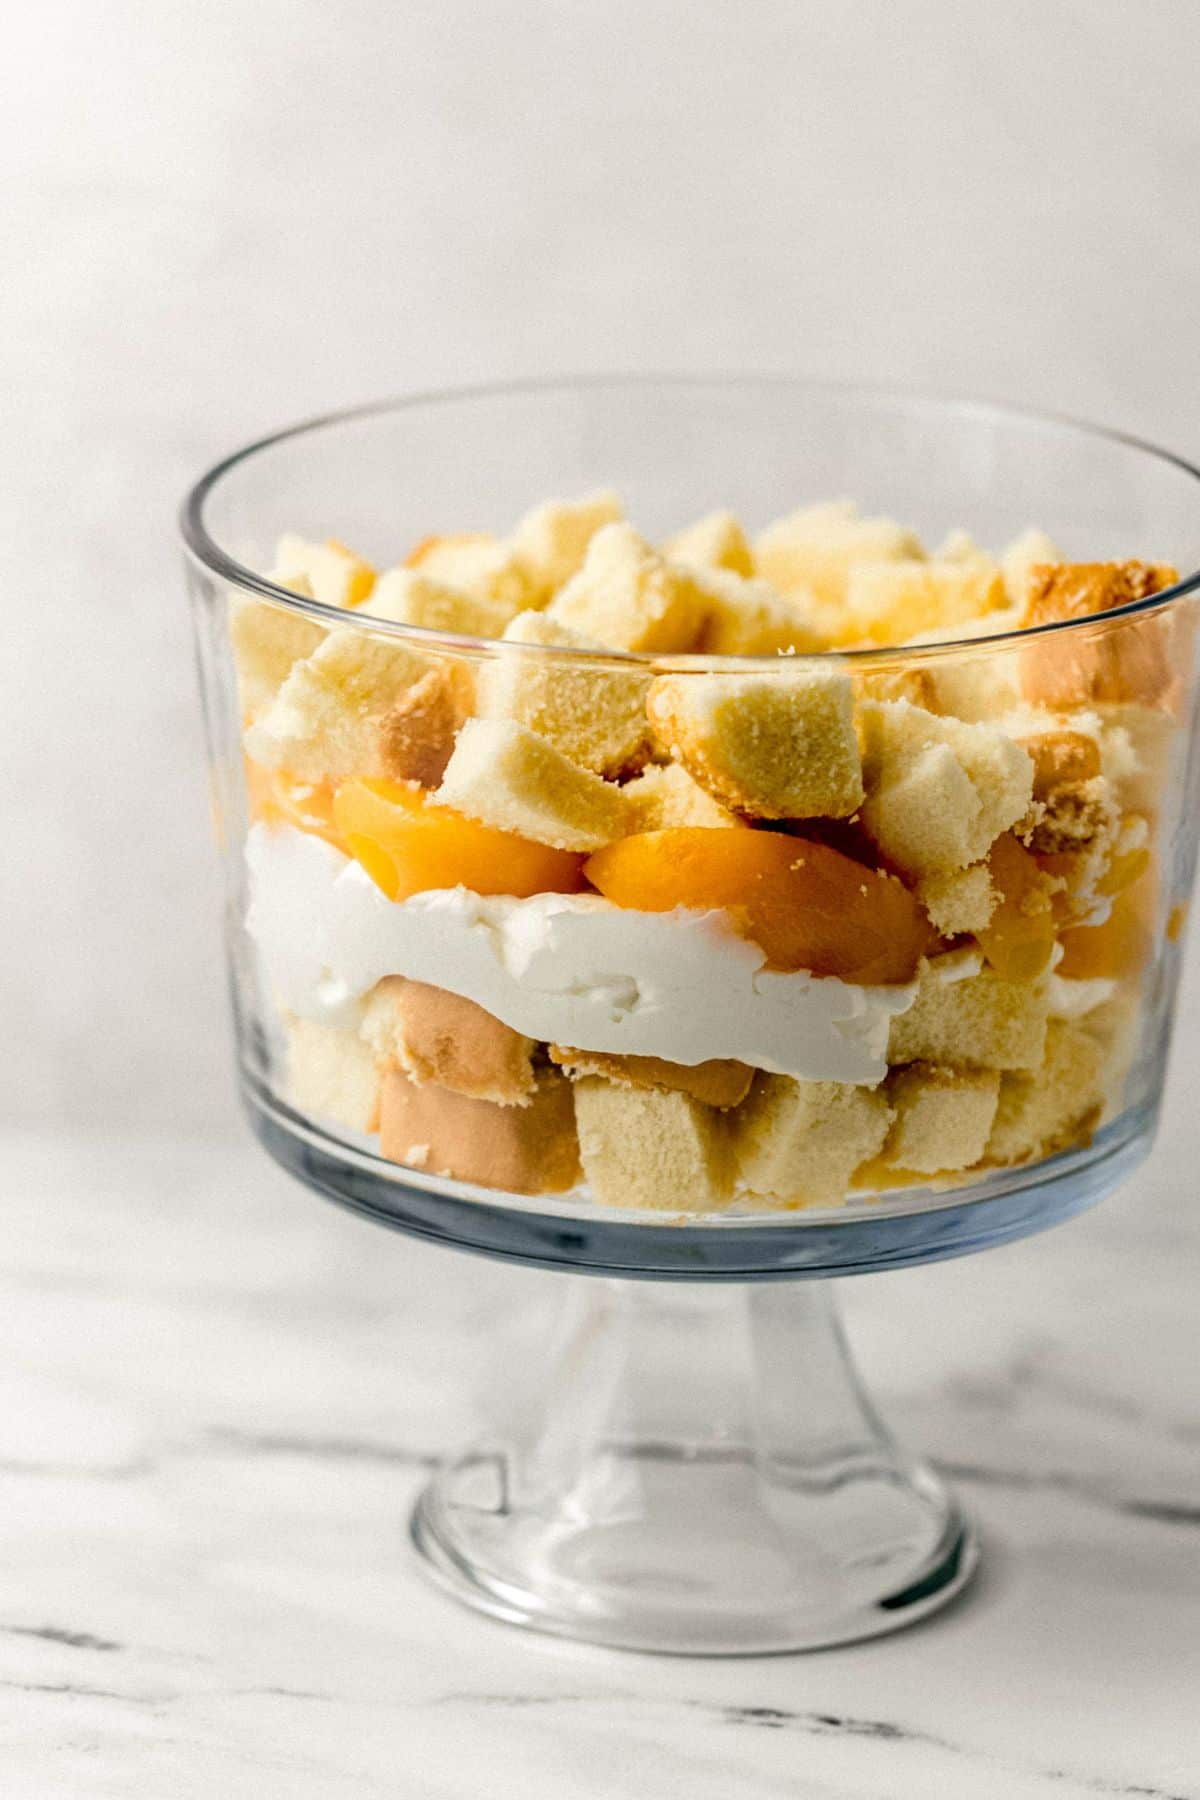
277	799
1125	942
1126	868
1122	945
808	906
407	847
1018	940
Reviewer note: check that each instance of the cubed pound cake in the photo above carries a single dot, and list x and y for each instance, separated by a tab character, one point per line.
440	1037
595	716
552	540
324	723
716	541
1047	1108
942	1117
938	792
798	1143
652	1150
627	597
889	602
411	597
976	1020
528	1149
267	642
415	736
813	550
331	572
664	797
720	1081
773	746
1125	660
953	861
331	1072
487	569
512	779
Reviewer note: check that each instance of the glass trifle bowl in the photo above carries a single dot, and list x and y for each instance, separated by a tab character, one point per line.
710	886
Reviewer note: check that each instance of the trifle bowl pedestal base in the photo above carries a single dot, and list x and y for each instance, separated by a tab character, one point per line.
696	1468
702	1474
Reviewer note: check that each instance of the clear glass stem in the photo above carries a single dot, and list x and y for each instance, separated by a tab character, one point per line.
703	1473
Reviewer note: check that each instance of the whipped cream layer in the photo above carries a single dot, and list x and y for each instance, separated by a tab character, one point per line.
562	968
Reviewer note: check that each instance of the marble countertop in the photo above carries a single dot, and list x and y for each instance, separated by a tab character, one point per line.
217	1396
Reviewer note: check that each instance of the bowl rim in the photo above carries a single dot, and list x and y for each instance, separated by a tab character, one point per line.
204	549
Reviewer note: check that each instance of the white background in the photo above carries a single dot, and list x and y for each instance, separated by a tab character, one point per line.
226	216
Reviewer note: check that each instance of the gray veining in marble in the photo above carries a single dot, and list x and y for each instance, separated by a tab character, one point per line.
217	1395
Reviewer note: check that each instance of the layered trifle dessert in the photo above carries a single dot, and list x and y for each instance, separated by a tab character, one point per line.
722	872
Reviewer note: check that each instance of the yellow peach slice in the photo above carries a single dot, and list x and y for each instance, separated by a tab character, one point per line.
274	798
1123	944
806	905
1018	939
407	848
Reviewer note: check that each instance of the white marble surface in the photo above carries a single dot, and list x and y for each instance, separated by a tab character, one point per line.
217	1395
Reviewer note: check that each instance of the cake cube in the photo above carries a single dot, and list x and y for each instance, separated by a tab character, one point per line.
509	778
970	685
664	796
331	1073
958	546
897	681
324	723
942	1117
627	597
750	618
977	1021
938	791
1021	557
798	1143
652	1150
434	1035
552	539
891	601
813	550
1042	1111
719	1082
416	735
960	900
491	571
1072	815
335	575
1126	660
1115	1027
267	641
595	716
1135	744
530	1149
413	597
716	541
776	746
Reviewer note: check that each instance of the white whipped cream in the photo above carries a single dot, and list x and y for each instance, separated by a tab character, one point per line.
1075	998
563	968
